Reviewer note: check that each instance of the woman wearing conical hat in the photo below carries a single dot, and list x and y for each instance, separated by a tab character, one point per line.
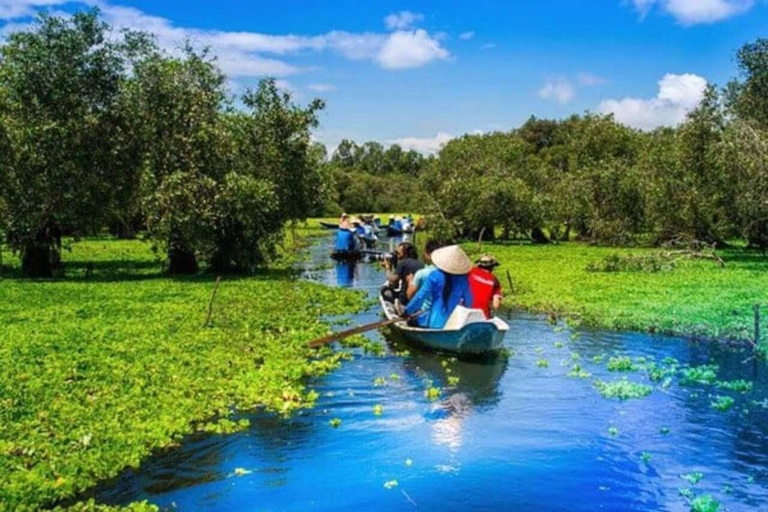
447	286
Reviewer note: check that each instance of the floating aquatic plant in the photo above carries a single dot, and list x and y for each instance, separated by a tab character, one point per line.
693	478
613	431
577	372
723	403
453	381
542	363
378	410
394	376
622	389
703	374
335	422
242	472
664	431
379	381
645	457
705	503
740	386
559	344
432	393
621	364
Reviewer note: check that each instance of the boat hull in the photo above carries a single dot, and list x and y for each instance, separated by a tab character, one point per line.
475	338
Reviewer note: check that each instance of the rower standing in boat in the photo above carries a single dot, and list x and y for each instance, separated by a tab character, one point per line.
447	287
346	241
485	287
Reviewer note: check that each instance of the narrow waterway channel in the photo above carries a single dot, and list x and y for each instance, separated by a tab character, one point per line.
513	434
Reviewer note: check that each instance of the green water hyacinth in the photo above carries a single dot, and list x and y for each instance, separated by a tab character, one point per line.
705	503
74	351
740	386
622	389
723	403
621	364
703	374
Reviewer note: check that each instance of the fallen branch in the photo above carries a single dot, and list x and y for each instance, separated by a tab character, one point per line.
210	303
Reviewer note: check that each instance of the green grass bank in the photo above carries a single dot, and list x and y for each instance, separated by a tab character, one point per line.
695	297
104	366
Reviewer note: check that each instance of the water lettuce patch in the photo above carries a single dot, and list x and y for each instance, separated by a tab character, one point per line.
98	372
622	389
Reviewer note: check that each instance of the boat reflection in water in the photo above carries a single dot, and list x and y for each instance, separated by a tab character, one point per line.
469	385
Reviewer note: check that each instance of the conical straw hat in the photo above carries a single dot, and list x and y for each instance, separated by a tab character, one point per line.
452	259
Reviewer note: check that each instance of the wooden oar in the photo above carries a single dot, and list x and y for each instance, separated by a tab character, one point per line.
337	336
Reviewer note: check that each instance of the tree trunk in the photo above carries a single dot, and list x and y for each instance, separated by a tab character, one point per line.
181	260
538	236
41	257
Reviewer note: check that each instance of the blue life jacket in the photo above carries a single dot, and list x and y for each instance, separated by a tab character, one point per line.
345	240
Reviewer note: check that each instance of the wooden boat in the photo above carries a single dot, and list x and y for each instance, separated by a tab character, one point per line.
328	225
467	332
347	255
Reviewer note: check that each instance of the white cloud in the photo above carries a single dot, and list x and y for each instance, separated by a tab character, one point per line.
678	95
466	36
14	9
589	80
402	20
321	87
241	54
693	12
559	90
409	50
424	145
488	46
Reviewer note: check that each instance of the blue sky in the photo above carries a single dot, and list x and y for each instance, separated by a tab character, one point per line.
421	72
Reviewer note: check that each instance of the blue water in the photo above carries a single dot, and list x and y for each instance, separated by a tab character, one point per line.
509	436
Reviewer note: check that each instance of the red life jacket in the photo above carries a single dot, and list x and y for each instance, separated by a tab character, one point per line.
483	286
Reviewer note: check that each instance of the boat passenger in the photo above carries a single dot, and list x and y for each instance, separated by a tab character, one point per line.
344	221
345	240
420	276
485	287
447	287
397	278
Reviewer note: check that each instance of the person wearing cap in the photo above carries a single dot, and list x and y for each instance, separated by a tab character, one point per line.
447	287
484	286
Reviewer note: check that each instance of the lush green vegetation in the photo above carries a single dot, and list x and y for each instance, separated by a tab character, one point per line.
590	178
99	129
698	297
103	367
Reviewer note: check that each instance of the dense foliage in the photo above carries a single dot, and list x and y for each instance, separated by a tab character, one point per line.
98	130
369	178
591	178
119	363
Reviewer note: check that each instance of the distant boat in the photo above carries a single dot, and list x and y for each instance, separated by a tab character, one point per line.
329	225
355	255
467	332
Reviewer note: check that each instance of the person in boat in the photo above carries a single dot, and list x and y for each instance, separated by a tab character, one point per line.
420	276
484	286
397	278
344	221
346	241
447	287
369	235
406	225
